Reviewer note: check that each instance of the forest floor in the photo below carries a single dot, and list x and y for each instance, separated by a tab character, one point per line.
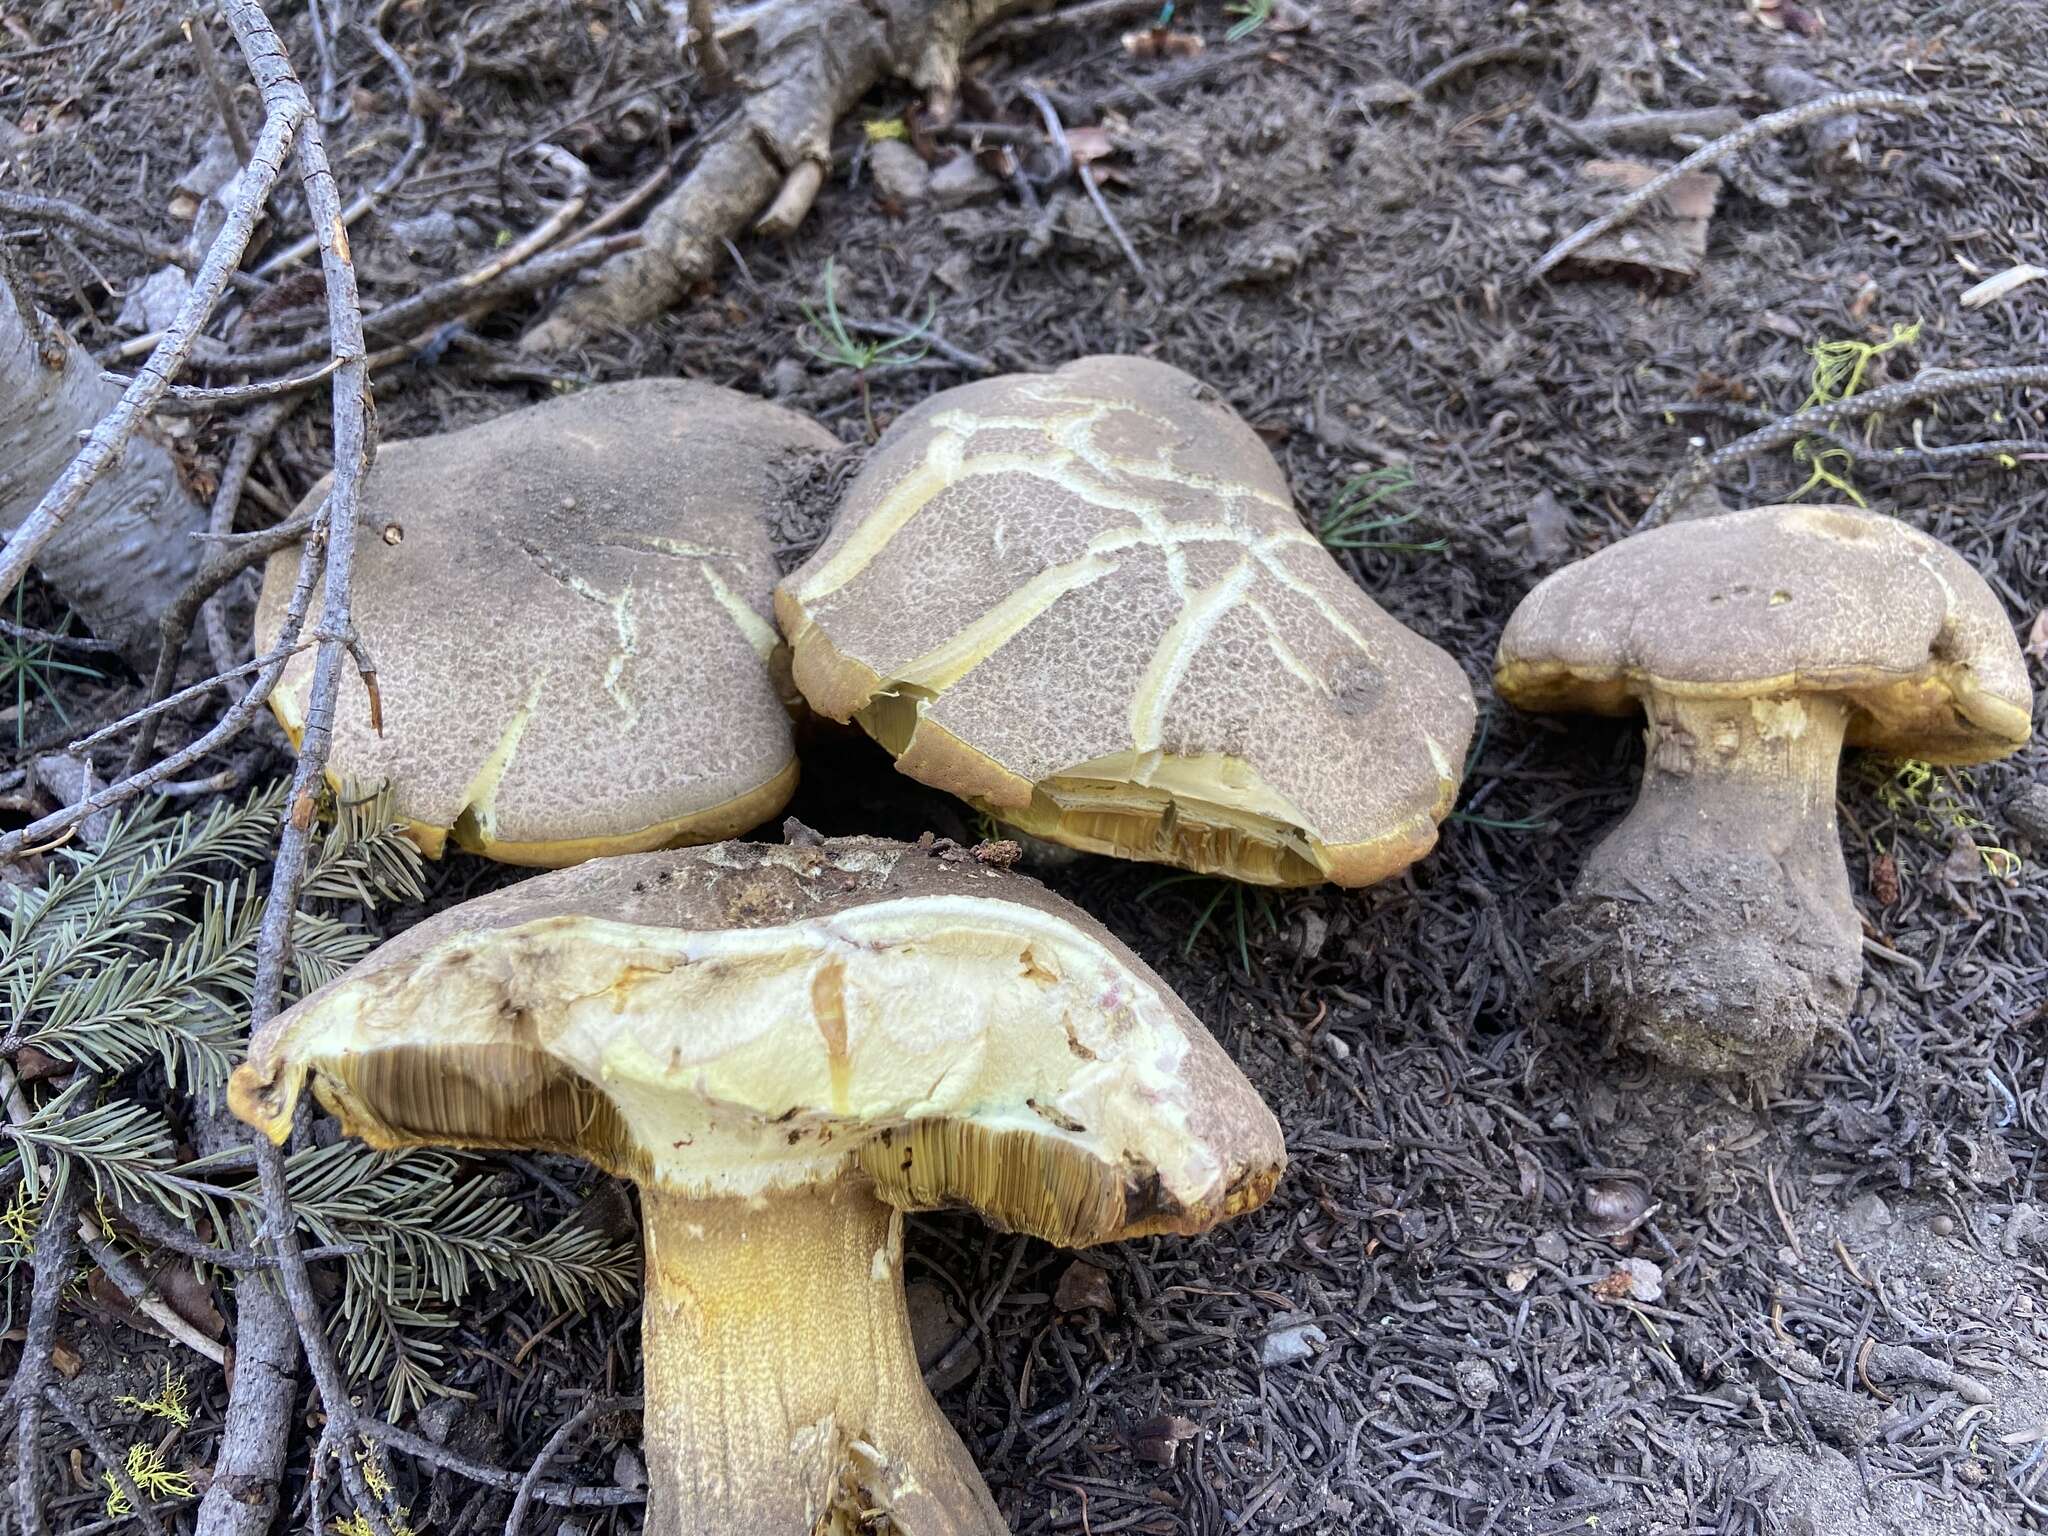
1826	1310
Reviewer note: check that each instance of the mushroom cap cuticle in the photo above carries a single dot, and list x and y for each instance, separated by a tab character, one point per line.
1085	603
574	637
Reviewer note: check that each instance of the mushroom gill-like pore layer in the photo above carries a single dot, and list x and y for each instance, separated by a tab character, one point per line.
959	1050
1084	602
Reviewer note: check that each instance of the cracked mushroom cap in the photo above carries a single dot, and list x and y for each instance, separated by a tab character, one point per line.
741	1018
1084	602
568	612
1781	600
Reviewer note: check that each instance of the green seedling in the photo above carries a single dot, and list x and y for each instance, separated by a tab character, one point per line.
1473	818
1929	799
29	665
1356	519
1251	15
1249	907
826	338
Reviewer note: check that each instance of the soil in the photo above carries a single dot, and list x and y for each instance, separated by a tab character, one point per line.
1513	1282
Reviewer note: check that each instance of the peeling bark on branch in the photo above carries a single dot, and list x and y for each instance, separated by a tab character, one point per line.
815	59
130	547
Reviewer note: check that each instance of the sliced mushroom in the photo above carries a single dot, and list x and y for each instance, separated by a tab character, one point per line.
1084	603
568	610
1715	927
787	1048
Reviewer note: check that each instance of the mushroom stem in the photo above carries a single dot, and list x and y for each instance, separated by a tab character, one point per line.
1714	928
783	1396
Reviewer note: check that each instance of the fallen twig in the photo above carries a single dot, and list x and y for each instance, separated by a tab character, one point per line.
195	400
29	636
1709	154
548	1452
1817	419
53	210
56	1238
221	566
483	1473
1524	51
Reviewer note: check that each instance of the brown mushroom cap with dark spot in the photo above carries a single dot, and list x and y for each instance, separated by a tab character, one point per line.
568	609
1715	927
1085	603
787	1047
1778	601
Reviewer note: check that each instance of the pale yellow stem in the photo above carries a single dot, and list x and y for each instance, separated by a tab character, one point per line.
783	1396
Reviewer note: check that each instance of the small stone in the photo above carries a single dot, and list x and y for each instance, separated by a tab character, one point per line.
1288	1345
961	180
2026	809
1338	1048
900	174
1631	1279
1865	1215
1943	1225
1518	1278
1476	1382
628	1470
1552	1248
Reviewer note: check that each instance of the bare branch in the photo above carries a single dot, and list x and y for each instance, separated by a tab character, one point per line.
1818	419
52	210
1711	154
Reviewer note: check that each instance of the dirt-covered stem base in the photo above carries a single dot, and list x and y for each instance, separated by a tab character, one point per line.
1714	927
783	1396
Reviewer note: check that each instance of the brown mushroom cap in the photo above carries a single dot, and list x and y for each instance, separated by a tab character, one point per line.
567	608
1084	602
742	1018
1774	601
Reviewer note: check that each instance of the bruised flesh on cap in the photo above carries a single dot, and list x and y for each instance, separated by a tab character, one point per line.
741	1019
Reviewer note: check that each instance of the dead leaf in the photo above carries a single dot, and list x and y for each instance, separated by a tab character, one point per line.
1997	287
33	1064
1665	243
1788	16
1083	1288
1162	43
1884	879
1965	863
1090	144
178	1286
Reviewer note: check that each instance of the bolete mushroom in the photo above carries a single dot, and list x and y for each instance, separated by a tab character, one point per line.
568	609
1715	927
1084	603
787	1048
